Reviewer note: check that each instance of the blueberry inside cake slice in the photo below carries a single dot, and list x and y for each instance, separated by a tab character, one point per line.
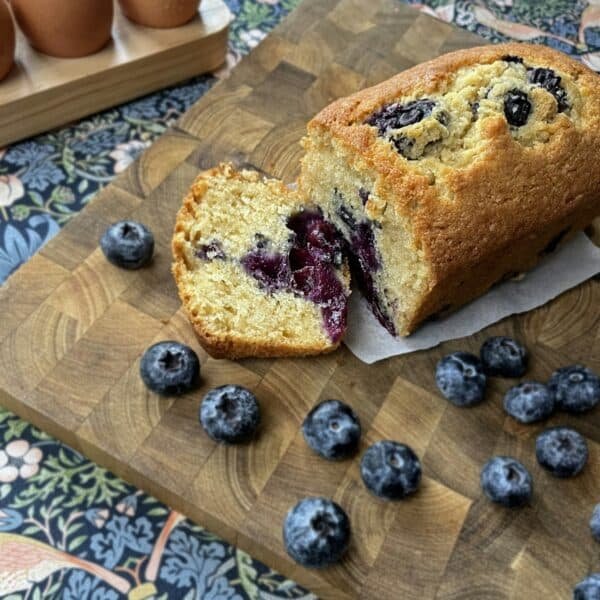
258	269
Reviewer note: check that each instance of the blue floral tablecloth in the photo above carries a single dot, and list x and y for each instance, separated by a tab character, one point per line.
68	528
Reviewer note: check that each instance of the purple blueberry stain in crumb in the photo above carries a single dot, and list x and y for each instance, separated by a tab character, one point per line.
364	263
308	270
314	256
363	258
270	269
211	251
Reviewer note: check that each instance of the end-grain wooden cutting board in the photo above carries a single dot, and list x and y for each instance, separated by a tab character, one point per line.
72	328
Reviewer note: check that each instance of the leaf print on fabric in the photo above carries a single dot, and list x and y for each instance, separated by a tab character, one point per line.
107	548
81	586
19	245
187	563
66	471
39	170
94	143
97	516
121	533
141	109
128	506
28	153
10	519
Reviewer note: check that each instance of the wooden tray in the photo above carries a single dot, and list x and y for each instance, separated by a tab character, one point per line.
73	327
43	92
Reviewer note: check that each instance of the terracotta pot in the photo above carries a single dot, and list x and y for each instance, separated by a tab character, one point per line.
7	40
65	28
160	13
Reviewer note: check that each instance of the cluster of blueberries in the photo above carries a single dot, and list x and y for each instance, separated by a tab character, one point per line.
316	530
462	379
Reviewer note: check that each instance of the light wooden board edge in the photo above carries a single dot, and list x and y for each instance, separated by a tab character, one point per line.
89	86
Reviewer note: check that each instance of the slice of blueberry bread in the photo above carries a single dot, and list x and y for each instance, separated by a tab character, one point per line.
456	174
259	271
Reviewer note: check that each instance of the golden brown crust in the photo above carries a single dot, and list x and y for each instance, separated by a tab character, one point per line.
496	214
230	346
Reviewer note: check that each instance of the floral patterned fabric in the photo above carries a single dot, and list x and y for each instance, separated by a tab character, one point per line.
71	530
571	26
68	528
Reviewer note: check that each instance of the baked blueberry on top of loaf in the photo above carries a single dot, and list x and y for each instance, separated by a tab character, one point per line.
456	174
259	271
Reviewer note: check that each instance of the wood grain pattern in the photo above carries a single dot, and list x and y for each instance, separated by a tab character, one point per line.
73	328
42	92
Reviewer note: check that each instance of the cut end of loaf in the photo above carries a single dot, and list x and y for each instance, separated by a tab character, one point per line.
387	265
257	269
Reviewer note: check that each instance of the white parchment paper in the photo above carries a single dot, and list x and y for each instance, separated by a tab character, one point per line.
576	261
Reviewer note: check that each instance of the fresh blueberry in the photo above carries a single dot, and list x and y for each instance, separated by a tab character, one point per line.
506	481
529	401
516	107
595	523
503	356
332	430
461	379
396	115
128	244
230	413
576	388
562	451
390	470
170	368
551	82
316	532
588	588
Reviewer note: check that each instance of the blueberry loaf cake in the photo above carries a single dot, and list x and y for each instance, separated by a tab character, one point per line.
456	174
259	271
